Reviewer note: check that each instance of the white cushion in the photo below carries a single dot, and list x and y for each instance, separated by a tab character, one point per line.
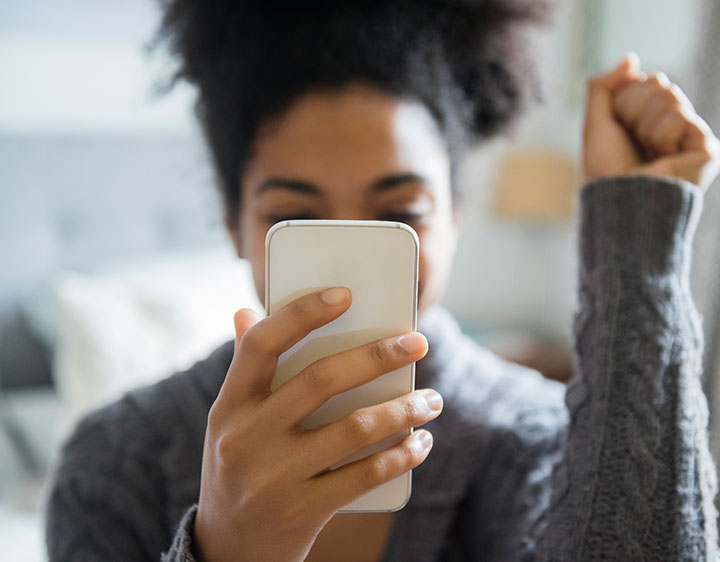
133	322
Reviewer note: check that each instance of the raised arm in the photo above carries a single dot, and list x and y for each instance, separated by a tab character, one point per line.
636	481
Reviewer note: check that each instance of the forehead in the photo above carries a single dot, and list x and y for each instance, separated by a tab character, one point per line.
350	135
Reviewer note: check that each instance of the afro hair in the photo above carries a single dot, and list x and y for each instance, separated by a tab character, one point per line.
470	62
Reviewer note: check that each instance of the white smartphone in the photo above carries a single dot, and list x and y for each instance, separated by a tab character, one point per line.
378	262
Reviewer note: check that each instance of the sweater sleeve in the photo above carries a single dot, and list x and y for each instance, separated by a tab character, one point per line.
636	480
181	548
107	503
97	521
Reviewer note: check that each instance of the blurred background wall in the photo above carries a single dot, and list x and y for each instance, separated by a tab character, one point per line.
111	233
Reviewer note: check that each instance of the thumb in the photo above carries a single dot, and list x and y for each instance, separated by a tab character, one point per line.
627	69
602	87
244	319
696	167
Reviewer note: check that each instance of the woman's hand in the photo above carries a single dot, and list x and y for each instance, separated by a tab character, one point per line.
266	491
640	125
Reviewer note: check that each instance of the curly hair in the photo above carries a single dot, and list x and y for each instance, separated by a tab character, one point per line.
468	61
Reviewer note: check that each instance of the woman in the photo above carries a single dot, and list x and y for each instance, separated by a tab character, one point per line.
347	111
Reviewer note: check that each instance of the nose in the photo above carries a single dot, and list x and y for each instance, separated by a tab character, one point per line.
349	213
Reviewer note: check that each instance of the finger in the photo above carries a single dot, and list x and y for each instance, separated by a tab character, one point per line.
288	325
682	97
627	69
339	487
700	157
694	167
316	384
244	319
633	101
256	355
668	133
330	444
662	80
661	104
698	135
698	160
602	88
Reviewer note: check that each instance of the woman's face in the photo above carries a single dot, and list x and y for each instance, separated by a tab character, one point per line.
354	153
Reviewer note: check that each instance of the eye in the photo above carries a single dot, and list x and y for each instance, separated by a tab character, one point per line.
403	216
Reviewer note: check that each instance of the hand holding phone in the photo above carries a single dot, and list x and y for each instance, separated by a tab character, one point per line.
266	492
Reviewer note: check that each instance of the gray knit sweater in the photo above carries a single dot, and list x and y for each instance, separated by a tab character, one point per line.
618	471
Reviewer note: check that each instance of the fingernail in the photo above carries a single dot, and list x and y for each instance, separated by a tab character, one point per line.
423	439
634	57
412	343
433	399
663	79
335	296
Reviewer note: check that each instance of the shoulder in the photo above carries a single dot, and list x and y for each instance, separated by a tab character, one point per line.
516	404
482	390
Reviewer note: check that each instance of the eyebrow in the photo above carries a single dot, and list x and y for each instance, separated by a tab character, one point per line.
388	182
307	188
290	184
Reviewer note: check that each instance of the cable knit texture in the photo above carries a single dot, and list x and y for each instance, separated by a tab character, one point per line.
636	481
618	471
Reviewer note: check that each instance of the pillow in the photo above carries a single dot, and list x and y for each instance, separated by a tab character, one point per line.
133	322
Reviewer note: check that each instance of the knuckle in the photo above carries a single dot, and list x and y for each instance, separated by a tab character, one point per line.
698	127
300	308
317	378
226	450
678	116
682	97
414	454
659	79
415	409
215	418
714	147
708	153
231	448
377	472
667	98
253	343
380	352
359	428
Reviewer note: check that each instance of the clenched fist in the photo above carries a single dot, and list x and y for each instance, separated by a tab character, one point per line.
645	125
